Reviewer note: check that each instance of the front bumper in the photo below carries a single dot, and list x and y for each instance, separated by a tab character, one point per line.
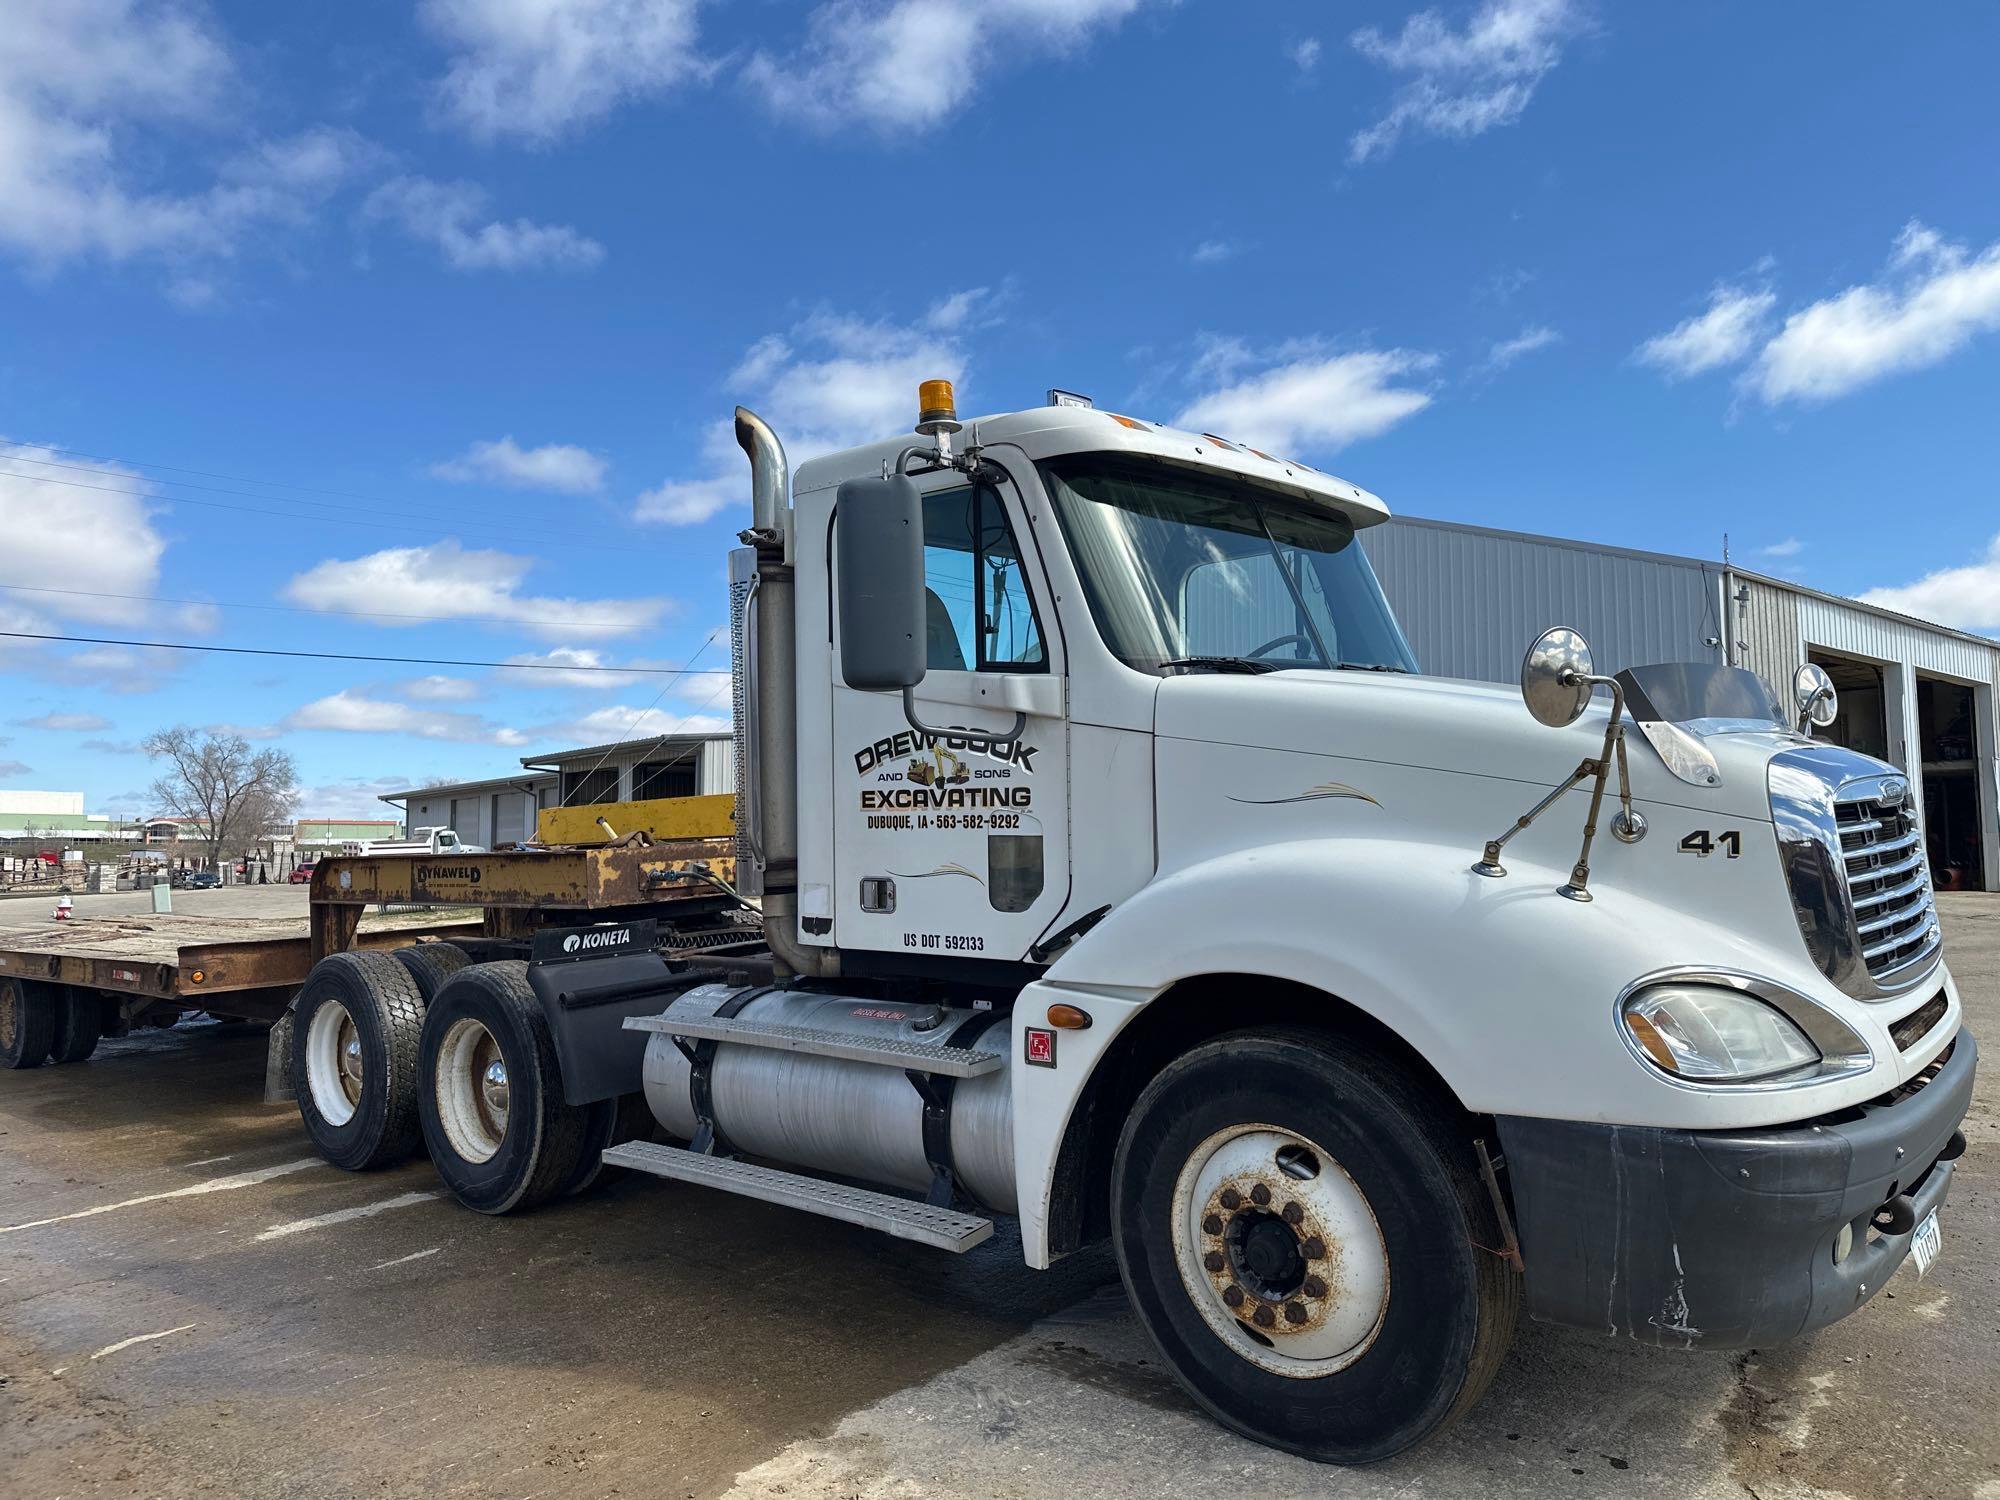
1725	1239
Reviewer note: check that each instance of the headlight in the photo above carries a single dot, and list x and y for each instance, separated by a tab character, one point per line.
1706	1034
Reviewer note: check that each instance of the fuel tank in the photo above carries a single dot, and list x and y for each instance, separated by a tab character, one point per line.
851	1119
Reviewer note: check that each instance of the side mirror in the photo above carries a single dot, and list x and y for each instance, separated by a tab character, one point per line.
879	553
1555	677
1814	698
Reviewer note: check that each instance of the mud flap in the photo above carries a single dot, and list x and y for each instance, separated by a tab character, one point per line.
278	1088
589	979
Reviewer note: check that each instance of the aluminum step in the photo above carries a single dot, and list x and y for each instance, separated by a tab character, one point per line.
902	1218
888	1052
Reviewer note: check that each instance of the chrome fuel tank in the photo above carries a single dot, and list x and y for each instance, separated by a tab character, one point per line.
853	1119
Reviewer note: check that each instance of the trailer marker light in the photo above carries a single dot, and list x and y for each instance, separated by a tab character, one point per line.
197	976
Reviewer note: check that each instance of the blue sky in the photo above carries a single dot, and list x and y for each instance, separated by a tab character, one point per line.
435	308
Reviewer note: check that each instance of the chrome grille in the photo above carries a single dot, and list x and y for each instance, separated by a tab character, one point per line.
1888	882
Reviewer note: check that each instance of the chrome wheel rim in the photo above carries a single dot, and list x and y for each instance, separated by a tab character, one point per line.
1279	1251
335	1069
474	1095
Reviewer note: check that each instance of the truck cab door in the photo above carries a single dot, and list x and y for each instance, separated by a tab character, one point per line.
952	840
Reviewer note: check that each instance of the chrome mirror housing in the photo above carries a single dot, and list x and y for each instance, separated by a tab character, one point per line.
1556	677
1814	698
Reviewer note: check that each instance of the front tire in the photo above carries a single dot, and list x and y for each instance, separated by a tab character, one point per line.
27	1023
1297	1223
494	1118
354	1059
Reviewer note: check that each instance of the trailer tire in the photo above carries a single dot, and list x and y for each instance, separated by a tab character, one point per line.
491	1101
27	1023
431	964
355	1030
79	1022
1347	1331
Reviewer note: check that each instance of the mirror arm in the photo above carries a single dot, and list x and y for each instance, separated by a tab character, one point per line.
1577	888
1806	709
1489	861
958	730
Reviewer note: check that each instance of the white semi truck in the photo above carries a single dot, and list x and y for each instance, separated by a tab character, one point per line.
1119	873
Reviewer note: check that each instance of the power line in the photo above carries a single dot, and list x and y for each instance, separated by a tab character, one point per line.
414	661
294	609
632	733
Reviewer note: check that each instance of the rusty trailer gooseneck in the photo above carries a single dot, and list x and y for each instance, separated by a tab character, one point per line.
766	734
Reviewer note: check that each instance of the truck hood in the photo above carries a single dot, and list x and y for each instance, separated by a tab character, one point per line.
1444	724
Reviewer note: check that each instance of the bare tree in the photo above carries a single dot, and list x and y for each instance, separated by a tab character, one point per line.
217	782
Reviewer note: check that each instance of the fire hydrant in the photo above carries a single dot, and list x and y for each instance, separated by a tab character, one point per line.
64	906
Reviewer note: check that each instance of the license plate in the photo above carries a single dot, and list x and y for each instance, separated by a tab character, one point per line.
1927	1242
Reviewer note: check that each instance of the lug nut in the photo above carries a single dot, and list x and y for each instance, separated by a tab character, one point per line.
1233	1295
1314	1287
1263	1317
1260	1195
1212	1224
1295	1312
1294	1215
1231	1199
1315	1248
1213	1261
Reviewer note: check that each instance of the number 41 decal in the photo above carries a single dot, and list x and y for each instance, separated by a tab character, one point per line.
1702	842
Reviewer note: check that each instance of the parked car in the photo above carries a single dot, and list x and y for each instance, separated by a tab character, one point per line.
303	874
197	880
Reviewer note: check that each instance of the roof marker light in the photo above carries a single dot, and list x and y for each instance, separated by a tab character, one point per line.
1131	422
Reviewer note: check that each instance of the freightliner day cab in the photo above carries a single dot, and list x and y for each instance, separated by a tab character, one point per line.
1120	873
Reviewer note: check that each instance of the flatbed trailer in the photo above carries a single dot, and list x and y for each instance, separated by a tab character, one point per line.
63	988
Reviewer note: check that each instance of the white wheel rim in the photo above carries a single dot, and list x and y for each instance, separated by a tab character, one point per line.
334	1067
473	1093
1279	1251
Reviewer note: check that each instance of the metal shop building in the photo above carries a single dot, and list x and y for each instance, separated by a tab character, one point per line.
501	810
1918	695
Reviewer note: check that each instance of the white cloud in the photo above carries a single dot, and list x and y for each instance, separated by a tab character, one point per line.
440	689
1527	341
1464	83
1967	597
445	579
349	712
540	69
608	724
85	82
1720	336
1791	546
57	536
914	63
355	797
560	468
447	214
1305	54
1304	399
15	768
1935	298
66	723
831	381
583	669
1214	252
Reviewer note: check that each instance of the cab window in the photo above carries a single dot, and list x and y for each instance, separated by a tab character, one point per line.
979	616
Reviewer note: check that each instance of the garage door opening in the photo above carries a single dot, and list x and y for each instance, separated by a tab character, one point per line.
1948	739
1862	723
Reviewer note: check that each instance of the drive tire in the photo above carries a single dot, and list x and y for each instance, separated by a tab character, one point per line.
370	1001
79	1023
27	1023
509	1147
431	964
1442	1309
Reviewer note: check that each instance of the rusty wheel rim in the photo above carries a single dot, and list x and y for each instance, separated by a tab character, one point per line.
1280	1251
10	1014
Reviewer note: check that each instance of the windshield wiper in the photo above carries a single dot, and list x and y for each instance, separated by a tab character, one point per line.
1367	666
1246	664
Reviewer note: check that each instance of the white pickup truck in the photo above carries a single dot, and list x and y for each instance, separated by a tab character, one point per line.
420	841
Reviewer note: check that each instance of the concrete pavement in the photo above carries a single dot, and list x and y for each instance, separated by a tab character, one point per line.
191	1304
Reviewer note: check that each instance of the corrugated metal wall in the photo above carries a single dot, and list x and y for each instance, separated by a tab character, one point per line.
1766	628
1470	600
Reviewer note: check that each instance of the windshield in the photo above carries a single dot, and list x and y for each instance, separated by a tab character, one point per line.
1179	566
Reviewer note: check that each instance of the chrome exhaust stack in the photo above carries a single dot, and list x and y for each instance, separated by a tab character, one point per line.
767	746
